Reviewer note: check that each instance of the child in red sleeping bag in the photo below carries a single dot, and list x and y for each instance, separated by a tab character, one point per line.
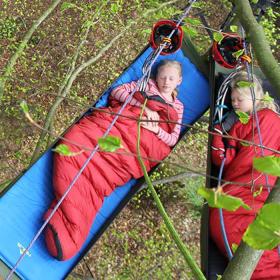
238	168
69	226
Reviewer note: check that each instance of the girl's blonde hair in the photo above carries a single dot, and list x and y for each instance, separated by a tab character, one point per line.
260	102
174	63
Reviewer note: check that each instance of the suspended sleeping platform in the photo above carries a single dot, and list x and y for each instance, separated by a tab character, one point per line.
26	199
223	69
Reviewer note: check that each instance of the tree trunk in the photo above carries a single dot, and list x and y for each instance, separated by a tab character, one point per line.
246	258
255	33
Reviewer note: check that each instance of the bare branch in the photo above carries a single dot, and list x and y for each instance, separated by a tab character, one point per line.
11	63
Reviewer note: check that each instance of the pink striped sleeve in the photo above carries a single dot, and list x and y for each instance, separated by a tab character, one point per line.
122	92
171	138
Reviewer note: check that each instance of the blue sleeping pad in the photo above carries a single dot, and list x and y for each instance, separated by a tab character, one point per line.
24	204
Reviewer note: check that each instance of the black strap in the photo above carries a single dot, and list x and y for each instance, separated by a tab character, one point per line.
205	23
227	146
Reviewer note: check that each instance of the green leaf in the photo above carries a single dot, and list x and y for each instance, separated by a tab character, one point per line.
24	106
193	21
255	1
87	24
190	31
268	164
109	143
242	84
267	98
64	150
264	232
244	144
218	37
234	28
219	277
66	6
243	117
258	192
218	199
114	7
234	247
146	31
238	53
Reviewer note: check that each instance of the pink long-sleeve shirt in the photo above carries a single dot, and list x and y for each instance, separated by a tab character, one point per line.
122	92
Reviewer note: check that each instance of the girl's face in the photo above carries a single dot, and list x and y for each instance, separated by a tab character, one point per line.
168	78
241	102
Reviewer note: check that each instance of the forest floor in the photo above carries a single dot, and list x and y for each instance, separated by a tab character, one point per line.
136	245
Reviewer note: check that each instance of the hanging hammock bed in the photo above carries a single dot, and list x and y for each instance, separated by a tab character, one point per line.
25	201
213	262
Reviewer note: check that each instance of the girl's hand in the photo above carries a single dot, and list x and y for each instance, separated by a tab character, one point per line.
153	116
152	126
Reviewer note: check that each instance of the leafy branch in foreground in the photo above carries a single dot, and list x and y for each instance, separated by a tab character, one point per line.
218	199
183	249
268	164
264	232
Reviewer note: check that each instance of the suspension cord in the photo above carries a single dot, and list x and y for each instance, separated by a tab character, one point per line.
222	224
93	152
250	78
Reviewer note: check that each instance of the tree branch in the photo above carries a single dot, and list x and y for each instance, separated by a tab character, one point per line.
61	93
11	63
73	73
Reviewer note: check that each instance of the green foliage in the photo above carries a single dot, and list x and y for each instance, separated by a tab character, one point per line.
63	150
217	199
4	184
8	27
234	28
238	53
244	144
190	27
243	117
264	232
268	164
269	24
218	37
192	32
109	143
189	194
67	5
115	7
24	107
234	247
258	192
193	21
267	98
242	84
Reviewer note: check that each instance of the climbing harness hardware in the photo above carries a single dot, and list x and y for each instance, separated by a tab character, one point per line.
223	52
161	31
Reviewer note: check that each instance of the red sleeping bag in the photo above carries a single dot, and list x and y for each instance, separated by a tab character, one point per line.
70	225
238	168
